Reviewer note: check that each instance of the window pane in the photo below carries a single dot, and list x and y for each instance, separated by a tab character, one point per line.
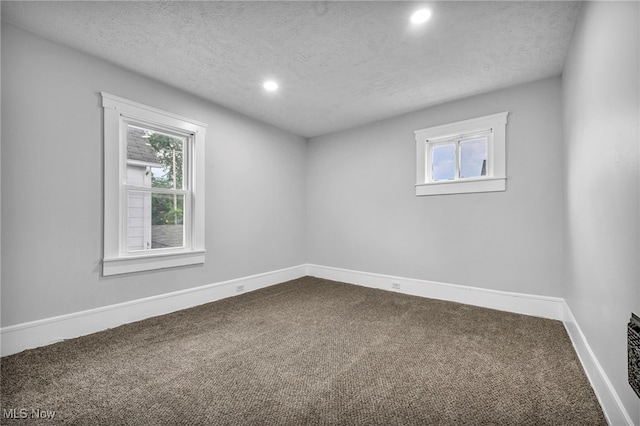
167	216
473	158
154	159
139	221
443	159
155	221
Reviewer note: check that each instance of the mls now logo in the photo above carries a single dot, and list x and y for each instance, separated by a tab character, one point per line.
23	413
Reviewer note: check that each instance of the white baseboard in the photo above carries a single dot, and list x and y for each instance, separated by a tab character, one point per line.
611	404
17	338
540	306
33	334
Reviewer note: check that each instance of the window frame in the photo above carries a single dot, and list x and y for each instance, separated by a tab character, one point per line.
495	180
117	259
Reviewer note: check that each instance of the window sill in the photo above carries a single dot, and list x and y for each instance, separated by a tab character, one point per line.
461	186
125	265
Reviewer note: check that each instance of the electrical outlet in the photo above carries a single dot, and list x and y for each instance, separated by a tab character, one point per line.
395	285
239	288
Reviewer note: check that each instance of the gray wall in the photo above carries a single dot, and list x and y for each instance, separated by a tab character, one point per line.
52	185
602	118
363	213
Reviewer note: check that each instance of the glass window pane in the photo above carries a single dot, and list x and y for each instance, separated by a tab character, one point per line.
443	161
155	221
473	158
167	228
154	159
139	221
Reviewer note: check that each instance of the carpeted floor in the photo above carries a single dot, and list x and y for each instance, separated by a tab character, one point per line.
314	352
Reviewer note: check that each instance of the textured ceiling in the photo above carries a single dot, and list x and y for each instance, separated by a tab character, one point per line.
339	64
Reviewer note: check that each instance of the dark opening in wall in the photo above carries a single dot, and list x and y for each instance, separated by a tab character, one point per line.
633	346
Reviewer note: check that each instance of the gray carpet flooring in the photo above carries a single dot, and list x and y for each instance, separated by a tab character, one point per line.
310	352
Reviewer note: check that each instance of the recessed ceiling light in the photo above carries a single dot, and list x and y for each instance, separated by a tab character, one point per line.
420	16
270	86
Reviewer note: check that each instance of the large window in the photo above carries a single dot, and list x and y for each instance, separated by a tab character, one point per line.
154	163
462	157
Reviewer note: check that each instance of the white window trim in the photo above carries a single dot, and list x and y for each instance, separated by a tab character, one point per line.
496	155
118	111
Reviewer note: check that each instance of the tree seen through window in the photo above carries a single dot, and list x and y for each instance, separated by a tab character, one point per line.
167	210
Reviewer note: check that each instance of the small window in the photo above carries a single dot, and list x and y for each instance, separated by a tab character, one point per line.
467	156
154	161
